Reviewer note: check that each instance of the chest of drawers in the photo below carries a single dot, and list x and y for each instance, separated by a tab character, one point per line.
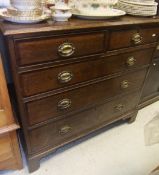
72	79
10	156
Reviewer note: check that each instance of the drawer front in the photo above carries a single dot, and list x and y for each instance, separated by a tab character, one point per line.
128	38
31	51
75	126
58	77
77	99
5	148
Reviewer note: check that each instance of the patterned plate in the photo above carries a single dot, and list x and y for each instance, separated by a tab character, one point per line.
17	19
114	13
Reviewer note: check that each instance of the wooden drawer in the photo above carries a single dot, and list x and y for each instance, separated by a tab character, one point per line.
128	38
9	151
84	97
36	50
5	148
61	76
63	131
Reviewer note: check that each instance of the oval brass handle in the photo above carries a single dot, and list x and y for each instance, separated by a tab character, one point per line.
137	39
130	61
154	35
124	84
64	104
64	130
119	107
66	49
65	76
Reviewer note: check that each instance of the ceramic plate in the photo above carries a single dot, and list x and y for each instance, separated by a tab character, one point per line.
25	20
112	13
138	10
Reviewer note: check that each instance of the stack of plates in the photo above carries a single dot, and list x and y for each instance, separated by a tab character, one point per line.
21	19
138	7
24	11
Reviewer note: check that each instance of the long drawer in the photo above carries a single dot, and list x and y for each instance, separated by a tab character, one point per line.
65	130
83	97
37	50
61	76
132	37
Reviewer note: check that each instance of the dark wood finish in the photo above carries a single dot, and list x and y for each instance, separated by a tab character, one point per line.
32	82
151	87
38	50
124	38
34	162
41	138
156	53
102	69
148	101
150	92
10	157
10	29
91	94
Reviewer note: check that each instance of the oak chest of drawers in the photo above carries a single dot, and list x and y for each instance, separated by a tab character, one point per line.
10	155
73	78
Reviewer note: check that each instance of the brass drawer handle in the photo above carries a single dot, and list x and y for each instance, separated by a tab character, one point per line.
64	130
66	49
119	107
131	61
65	76
137	39
64	104
124	84
154	35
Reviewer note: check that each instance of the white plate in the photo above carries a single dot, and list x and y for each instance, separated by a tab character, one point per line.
24	20
112	13
138	10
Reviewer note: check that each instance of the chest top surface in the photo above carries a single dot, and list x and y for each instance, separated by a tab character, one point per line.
9	29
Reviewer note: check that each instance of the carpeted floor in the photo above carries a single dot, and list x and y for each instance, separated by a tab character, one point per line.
116	150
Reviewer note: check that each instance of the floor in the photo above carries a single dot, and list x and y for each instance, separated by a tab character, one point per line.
116	150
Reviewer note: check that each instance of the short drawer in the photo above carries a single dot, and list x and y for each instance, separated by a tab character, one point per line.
37	50
68	129
6	152
83	97
132	37
33	82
